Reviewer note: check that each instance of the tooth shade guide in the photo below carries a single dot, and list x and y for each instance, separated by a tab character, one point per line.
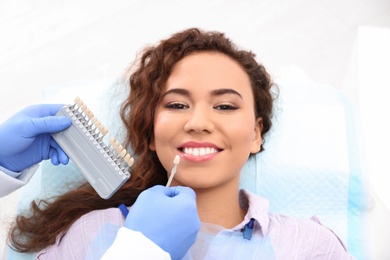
176	161
130	161
106	168
123	153
104	132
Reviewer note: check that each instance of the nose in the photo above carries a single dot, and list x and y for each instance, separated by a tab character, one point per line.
199	120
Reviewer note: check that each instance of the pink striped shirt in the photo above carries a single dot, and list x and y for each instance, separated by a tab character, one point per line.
273	237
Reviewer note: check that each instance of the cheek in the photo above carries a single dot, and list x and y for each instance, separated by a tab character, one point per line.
242	130
164	127
242	135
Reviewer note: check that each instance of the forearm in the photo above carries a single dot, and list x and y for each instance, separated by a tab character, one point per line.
11	181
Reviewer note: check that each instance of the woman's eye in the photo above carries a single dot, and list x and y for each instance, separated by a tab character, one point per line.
225	107
176	106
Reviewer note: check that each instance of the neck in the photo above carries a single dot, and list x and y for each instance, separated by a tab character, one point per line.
220	206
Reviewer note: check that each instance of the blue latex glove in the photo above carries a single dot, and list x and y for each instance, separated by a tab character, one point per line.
168	216
25	138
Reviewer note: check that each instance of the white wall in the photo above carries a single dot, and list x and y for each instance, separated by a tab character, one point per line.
45	43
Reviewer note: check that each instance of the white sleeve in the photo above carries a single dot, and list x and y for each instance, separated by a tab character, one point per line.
9	184
129	244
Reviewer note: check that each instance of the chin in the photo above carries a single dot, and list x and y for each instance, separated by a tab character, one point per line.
193	184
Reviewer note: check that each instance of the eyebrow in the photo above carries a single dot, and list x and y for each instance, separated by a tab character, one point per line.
223	91
180	91
215	92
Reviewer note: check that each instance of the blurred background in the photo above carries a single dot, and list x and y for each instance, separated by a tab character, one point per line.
344	44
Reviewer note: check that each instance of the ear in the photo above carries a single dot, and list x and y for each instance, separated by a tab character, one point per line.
152	145
257	138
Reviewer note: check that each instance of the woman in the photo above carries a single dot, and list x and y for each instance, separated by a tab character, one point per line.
197	96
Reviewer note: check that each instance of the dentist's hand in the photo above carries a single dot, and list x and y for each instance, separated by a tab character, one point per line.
25	138
168	216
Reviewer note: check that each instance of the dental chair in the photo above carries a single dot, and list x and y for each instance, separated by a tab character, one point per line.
312	163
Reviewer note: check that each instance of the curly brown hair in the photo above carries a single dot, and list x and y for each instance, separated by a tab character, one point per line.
151	72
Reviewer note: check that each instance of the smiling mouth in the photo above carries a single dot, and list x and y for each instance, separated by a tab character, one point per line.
201	151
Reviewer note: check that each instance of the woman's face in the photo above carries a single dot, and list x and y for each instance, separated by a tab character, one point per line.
207	117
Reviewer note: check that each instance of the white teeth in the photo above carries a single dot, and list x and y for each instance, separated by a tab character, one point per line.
195	152
199	151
